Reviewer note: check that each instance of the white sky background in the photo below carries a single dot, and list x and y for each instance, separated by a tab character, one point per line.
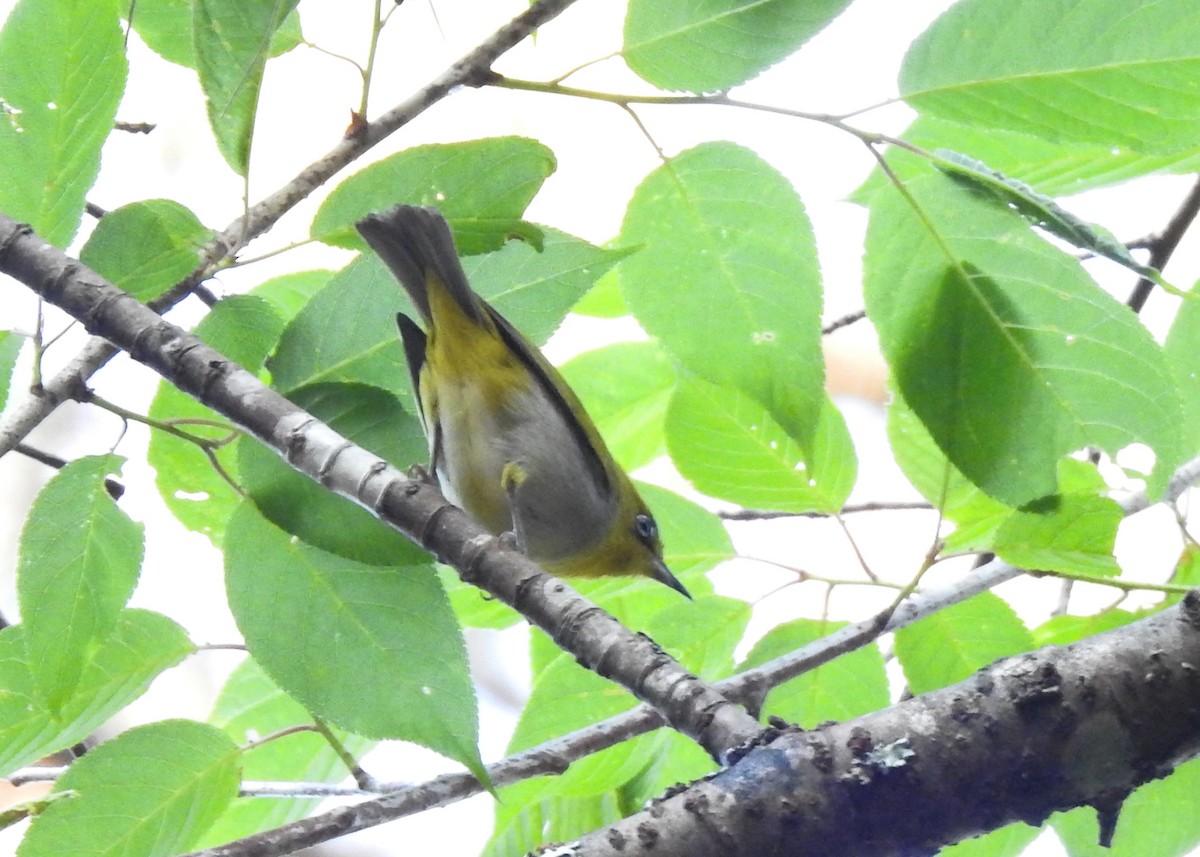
306	105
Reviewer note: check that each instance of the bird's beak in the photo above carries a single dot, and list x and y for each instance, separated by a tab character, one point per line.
663	575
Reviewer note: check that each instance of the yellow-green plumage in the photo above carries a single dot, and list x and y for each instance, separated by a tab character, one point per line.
509	441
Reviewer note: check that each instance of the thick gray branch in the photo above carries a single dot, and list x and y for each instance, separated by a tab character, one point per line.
1062	727
415	508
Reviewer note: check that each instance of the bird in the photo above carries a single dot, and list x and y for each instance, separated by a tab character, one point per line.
509	441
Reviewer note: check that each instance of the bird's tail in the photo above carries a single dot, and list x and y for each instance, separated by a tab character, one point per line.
416	244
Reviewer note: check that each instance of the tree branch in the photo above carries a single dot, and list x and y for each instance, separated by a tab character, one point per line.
1162	246
597	640
1062	727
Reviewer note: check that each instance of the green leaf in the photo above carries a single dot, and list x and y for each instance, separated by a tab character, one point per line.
676	760
1039	209
10	349
535	289
716	44
373	419
1186	573
1003	346
527	818
244	328
289	293
1122	72
723	221
1070	533
625	388
251	706
62	73
1058	169
847	687
1182	352
565	697
348	331
166	28
481	186
141	645
975	514
730	447
950	645
702	635
1142	831
604	300
79	561
1061	630
232	41
381	653
149	791
146	247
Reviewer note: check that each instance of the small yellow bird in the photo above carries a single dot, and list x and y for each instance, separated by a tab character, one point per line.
509	442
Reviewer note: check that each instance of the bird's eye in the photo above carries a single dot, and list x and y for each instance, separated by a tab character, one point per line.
646	529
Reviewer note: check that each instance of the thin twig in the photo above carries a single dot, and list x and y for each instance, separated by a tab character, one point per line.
1162	248
844	321
849	508
114	488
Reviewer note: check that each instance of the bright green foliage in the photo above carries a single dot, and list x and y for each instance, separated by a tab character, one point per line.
951	644
482	187
166	26
566	697
373	649
142	644
1061	630
1120	73
1053	167
843	689
716	44
232	40
10	348
289	293
977	316
146	247
975	513
151	791
731	447
250	707
1184	359
625	388
80	557
363	348
1012	372
723	221
1039	209
556	819
62	72
604	300
1070	533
